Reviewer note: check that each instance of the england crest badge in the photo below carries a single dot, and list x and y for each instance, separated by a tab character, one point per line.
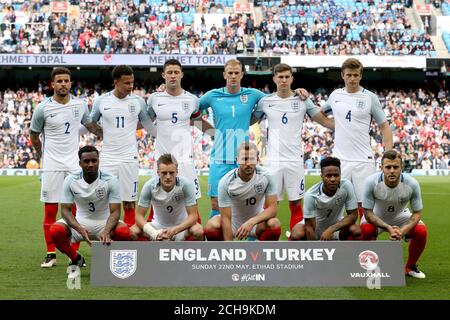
122	263
185	106
244	98
259	188
76	113
132	109
100	192
360	104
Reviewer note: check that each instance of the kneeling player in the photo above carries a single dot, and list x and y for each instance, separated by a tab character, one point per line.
174	206
324	207
386	195
247	201
97	197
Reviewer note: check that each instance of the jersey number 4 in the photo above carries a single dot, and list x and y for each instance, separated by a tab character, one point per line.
349	116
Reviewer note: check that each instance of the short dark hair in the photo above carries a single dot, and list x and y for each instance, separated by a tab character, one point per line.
86	149
281	67
391	155
330	161
172	62
166	159
121	70
247	146
60	70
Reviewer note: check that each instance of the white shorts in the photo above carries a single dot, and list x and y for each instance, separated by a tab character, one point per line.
289	177
178	237
186	169
51	185
128	175
94	228
319	230
399	220
357	172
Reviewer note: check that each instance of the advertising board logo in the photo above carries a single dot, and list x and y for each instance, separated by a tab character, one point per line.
246	277
122	263
235	277
368	260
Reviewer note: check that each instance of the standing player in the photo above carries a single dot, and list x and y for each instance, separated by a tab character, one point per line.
173	110
174	204
324	207
121	111
247	202
58	119
232	107
97	197
386	195
285	114
353	108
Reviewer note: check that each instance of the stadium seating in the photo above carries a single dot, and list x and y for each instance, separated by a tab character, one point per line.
360	27
446	38
314	27
445	7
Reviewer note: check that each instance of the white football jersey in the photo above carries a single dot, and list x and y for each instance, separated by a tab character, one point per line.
353	113
60	125
329	210
173	115
387	202
93	199
119	121
285	124
246	199
169	208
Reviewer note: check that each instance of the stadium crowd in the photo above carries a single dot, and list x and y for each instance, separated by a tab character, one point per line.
420	120
334	27
340	28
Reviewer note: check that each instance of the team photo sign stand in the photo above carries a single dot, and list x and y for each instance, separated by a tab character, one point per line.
371	264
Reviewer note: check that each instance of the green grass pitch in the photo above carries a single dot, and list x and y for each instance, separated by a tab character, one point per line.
22	250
